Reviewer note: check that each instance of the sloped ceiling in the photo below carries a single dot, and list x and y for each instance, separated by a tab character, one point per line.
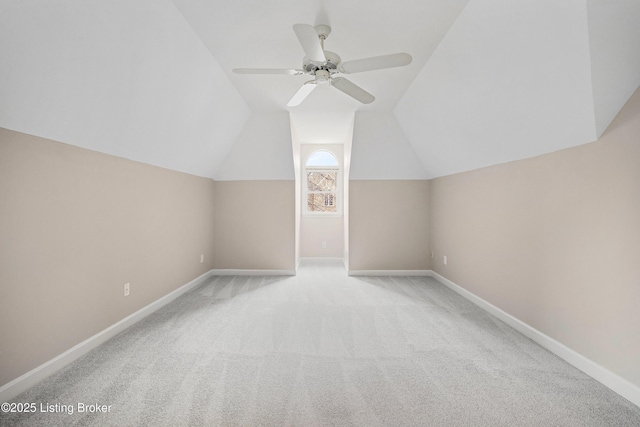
491	80
614	38
512	80
128	78
262	151
380	149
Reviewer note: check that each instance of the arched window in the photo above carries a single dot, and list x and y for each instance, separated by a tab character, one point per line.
321	175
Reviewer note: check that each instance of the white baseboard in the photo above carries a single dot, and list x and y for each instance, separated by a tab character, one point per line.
613	381
624	388
390	273
240	272
34	376
320	258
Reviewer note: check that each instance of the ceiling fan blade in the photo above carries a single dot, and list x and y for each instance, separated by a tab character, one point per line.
308	38
375	63
268	71
353	90
302	93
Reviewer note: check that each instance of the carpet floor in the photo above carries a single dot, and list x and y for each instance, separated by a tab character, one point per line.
322	349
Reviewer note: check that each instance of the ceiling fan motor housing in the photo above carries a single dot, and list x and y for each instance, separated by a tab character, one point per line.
330	65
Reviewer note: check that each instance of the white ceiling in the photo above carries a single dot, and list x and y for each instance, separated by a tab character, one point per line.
151	80
128	78
512	80
260	34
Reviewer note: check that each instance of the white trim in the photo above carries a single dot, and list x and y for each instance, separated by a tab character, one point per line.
248	272
321	258
339	192
322	214
34	376
623	387
390	272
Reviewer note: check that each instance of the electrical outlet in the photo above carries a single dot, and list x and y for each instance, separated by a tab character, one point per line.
126	289
445	260
431	254
201	258
324	245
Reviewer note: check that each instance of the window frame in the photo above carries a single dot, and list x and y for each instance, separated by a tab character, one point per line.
337	194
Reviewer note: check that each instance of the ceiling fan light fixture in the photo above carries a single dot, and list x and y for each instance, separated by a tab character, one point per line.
322	76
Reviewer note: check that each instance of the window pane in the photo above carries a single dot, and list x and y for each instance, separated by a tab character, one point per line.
321	181
322	158
321	202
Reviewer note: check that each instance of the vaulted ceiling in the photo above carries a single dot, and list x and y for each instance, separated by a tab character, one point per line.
150	80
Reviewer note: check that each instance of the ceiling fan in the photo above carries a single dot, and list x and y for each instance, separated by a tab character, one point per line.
324	65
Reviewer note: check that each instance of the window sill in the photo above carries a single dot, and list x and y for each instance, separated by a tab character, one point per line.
322	215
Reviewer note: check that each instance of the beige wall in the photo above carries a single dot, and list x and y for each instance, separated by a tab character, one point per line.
75	225
554	241
388	225
255	225
315	230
